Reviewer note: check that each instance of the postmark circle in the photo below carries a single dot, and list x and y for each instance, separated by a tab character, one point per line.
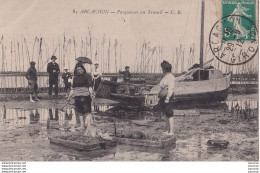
232	42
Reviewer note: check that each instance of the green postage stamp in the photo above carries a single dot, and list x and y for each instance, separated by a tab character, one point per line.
239	20
234	38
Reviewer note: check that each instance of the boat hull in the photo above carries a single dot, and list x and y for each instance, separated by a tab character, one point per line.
215	90
207	91
209	97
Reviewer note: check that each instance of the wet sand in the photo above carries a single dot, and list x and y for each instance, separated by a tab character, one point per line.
24	136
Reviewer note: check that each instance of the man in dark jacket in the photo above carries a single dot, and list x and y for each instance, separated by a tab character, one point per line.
31	76
66	76
53	70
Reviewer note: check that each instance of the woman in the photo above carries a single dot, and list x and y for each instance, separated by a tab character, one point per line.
96	75
79	63
83	94
167	84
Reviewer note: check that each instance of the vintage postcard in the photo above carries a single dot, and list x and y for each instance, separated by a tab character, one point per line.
151	80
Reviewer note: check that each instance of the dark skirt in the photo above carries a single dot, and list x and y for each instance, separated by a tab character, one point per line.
83	104
166	108
96	83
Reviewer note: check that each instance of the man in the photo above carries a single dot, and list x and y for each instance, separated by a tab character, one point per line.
126	78
96	75
31	76
66	76
53	70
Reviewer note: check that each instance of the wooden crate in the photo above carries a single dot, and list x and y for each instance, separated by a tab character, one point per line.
89	145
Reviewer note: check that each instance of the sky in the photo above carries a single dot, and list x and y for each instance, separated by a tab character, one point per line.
52	19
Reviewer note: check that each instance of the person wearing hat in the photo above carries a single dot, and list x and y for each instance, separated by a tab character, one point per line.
66	76
96	75
53	70
126	78
31	76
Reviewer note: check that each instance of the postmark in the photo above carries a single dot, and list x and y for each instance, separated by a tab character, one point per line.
231	47
233	39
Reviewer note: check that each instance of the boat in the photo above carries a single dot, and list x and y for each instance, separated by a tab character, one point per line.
213	87
201	84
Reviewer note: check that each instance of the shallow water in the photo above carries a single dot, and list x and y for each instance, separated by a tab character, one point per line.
24	134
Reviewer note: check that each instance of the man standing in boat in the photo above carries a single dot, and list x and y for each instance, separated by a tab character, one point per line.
166	94
53	70
126	78
31	76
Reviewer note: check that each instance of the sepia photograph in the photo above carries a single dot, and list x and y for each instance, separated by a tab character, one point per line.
129	80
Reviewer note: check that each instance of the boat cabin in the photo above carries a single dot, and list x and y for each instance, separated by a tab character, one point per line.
206	74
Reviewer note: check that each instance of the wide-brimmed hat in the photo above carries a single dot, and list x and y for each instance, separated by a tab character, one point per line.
32	63
126	67
65	68
53	57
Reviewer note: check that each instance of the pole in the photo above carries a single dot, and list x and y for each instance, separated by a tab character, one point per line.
202	33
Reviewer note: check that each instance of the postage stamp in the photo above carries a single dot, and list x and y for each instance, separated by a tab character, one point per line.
240	21
233	39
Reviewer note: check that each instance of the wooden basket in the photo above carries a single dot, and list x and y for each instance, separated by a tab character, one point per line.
92	144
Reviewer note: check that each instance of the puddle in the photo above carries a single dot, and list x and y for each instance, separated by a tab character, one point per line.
27	132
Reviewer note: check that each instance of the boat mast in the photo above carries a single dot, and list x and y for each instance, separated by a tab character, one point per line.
202	33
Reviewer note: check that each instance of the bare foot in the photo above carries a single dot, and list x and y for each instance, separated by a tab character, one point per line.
36	99
32	101
72	129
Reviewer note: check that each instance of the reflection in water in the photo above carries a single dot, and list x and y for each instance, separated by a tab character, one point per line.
14	117
243	109
68	114
34	116
56	114
244	104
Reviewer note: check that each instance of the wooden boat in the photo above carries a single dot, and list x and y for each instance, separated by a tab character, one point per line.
199	84
214	87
